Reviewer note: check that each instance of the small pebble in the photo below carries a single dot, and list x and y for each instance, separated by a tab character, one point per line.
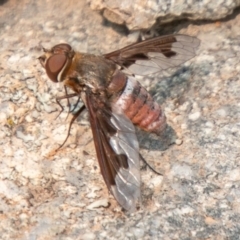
194	116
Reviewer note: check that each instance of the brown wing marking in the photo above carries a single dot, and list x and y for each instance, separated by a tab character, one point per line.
156	54
117	151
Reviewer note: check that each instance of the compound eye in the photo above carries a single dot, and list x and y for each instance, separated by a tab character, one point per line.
61	48
54	66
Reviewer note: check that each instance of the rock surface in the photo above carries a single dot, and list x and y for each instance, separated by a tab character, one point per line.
61	195
140	14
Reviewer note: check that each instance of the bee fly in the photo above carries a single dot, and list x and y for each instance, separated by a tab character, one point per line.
116	101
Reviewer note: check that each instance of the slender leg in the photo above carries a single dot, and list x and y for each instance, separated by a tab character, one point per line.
147	164
71	95
76	104
75	116
67	96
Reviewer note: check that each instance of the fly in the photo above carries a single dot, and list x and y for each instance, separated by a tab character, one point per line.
116	102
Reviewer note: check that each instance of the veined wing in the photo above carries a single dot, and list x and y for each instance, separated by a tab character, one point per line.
156	54
117	151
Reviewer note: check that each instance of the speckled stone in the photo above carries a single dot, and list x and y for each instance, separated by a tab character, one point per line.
49	194
144	14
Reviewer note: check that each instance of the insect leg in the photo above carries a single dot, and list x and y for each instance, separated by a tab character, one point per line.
147	164
75	116
66	96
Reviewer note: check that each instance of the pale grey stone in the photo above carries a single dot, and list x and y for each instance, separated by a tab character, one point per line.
44	193
139	14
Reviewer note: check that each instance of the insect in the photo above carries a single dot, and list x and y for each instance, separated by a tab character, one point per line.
116	101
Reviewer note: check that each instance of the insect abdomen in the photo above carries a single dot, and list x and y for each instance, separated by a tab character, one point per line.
138	105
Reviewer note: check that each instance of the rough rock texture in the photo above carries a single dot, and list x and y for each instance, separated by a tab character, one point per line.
138	14
48	195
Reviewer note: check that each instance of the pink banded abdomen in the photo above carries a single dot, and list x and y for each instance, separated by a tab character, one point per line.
140	108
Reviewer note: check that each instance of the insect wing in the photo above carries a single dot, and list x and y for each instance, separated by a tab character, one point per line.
156	54
117	151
